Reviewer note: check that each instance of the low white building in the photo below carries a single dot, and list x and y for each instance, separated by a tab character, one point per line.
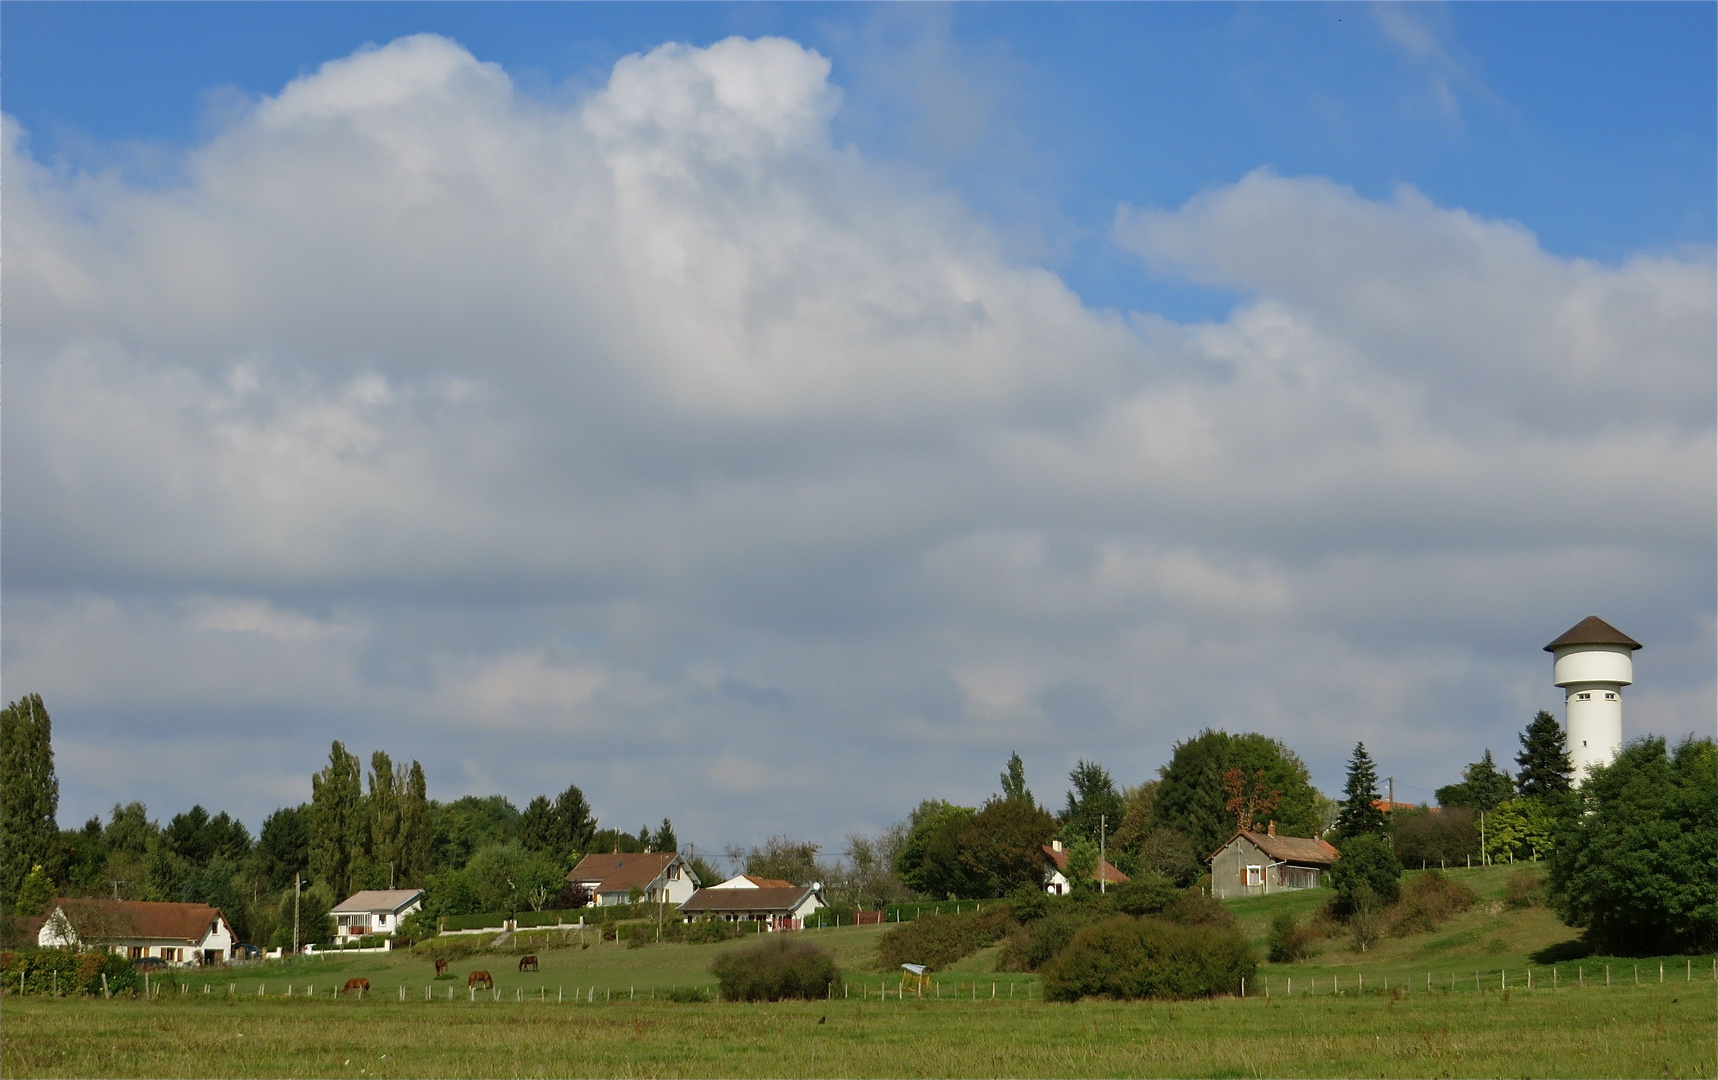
1056	871
181	935
752	881
781	907
658	877
374	911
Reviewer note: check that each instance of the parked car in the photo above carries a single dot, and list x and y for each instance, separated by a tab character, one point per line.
149	963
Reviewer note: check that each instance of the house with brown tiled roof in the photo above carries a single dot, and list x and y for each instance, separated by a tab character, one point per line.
779	907
1260	863
1056	881
182	935
660	877
752	881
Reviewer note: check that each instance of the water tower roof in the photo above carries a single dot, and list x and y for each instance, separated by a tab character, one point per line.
1593	630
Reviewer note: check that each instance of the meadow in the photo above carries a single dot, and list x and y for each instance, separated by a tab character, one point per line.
604	1011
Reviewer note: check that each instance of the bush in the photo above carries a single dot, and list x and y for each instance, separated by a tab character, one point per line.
1427	901
73	974
1145	895
1288	940
1126	958
1367	864
1524	889
1421	836
779	969
1034	945
939	940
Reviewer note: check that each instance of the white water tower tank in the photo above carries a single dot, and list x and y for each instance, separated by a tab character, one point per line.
1592	661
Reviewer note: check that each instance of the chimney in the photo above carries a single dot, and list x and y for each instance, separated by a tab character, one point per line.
1055	845
1272	828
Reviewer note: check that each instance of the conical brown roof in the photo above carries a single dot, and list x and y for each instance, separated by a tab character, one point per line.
1593	630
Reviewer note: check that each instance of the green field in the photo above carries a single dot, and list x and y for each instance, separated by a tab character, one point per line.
602	1011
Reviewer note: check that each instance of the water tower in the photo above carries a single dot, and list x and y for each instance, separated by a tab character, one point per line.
1592	662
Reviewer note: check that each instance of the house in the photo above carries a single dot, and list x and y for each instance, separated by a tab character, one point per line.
660	877
1056	870
752	881
1257	864
374	911
182	935
780	907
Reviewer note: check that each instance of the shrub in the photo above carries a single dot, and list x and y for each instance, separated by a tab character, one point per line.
1524	889
939	940
1145	895
1288	940
1368	864
1427	901
1124	957
1034	945
779	969
72	974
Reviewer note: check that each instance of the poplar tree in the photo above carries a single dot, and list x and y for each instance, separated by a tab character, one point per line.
1360	815
337	824
1546	772
1014	781
417	834
384	806
29	792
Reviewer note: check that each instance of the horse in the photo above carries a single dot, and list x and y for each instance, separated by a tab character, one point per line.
357	986
527	963
479	978
440	968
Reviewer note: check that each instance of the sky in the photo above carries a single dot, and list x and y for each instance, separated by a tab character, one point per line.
770	416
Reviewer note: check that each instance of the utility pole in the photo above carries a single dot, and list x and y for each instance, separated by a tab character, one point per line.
1103	878
1392	782
390	874
296	889
1482	838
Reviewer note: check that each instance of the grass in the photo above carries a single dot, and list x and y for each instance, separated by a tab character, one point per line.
1329	1027
1651	1030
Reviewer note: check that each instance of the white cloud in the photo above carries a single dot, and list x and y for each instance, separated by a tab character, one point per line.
661	444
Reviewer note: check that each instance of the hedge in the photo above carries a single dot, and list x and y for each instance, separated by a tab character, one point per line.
46	970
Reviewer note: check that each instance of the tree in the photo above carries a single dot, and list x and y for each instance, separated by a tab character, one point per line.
417	834
575	825
1420	836
36	893
283	846
337	823
537	825
1360	814
1481	789
467	824
385	805
1082	871
1637	865
1093	797
29	791
1014	781
1366	872
665	840
1190	797
1251	800
1519	827
929	861
1002	847
784	858
1546	772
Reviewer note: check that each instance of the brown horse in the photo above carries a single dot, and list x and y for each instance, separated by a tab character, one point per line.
440	968
357	986
479	978
527	963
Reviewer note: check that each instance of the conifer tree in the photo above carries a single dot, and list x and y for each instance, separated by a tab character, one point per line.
575	826
1546	771
537	825
1483	787
665	840
1360	815
29	792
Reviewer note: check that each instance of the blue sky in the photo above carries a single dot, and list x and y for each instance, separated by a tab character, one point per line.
815	417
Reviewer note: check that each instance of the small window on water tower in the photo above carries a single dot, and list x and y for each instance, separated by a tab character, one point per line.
1583	697
1610	697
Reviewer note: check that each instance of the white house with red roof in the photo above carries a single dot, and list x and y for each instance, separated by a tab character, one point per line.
181	935
660	877
374	911
1056	881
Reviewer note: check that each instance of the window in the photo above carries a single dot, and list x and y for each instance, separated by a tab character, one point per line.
1610	697
1584	697
1255	875
674	873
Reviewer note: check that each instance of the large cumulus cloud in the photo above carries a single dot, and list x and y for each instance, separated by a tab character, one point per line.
661	444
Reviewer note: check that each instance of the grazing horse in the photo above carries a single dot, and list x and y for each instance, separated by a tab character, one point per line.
479	978
527	963
440	968
357	986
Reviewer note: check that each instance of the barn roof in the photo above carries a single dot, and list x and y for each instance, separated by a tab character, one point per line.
97	918
1593	630
771	899
1294	849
